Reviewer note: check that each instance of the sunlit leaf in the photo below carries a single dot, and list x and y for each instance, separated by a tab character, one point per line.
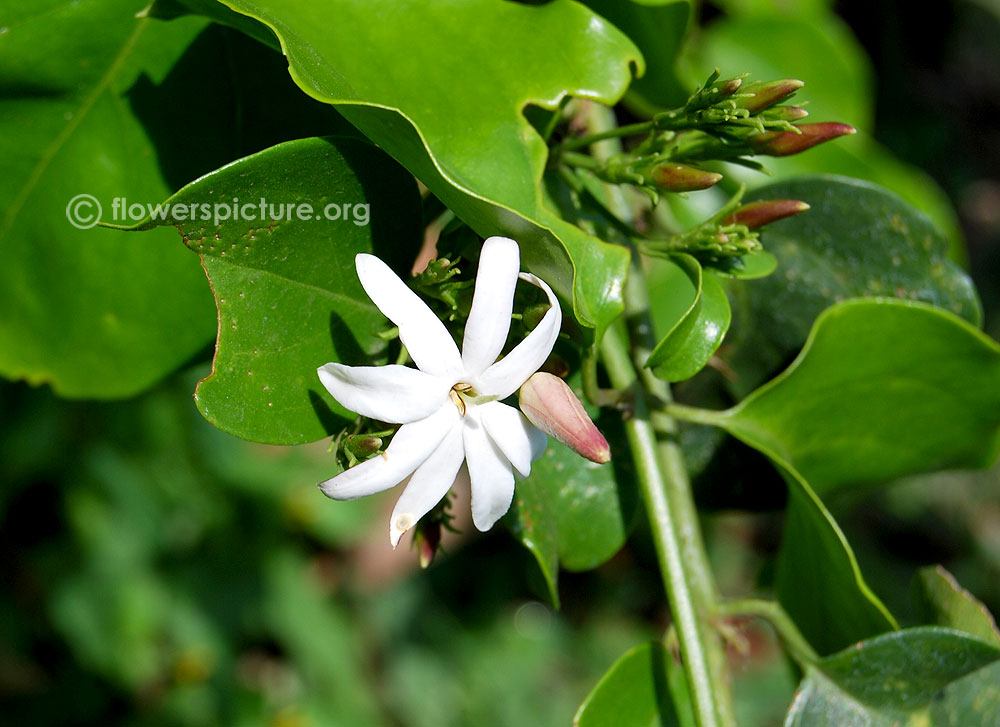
288	297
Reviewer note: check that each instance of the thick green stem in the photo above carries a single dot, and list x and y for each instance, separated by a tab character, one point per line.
698	572
662	475
688	619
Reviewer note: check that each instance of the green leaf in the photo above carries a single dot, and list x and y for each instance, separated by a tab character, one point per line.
288	298
90	311
883	388
574	513
658	28
856	240
698	333
818	580
940	600
635	692
401	73
923	676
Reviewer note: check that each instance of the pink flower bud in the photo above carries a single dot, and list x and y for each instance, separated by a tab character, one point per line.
549	404
758	214
785	143
767	93
682	178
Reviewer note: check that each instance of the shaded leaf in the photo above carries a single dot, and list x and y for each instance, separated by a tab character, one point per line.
571	512
658	28
922	676
941	601
818	579
635	692
856	240
83	308
887	388
288	297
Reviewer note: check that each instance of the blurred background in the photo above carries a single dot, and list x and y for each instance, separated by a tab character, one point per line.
158	572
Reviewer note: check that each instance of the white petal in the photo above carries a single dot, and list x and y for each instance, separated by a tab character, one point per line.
506	376
428	484
492	303
410	447
490	473
396	394
511	432
422	332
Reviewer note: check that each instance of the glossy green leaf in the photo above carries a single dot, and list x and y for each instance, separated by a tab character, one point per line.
658	28
401	72
923	676
856	240
697	335
573	513
285	287
885	388
940	600
635	692
818	579
84	308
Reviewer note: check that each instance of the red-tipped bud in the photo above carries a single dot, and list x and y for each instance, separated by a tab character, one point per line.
785	143
767	93
551	405
758	214
682	178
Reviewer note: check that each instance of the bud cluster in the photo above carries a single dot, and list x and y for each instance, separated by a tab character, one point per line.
437	281
730	232
725	120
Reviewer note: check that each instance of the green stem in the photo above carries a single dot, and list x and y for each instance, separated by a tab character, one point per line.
575	159
679	494
614	133
688	621
695	415
772	612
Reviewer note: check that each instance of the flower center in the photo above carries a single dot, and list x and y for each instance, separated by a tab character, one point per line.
459	393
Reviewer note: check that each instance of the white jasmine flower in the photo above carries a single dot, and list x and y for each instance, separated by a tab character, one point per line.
449	406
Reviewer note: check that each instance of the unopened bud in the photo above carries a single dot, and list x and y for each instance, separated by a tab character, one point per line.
758	214
362	446
549	404
785	143
767	93
785	113
682	178
426	539
533	315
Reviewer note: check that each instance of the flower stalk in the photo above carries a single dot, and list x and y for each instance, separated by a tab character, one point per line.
666	492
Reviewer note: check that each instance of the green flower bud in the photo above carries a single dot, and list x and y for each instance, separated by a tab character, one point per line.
682	178
766	93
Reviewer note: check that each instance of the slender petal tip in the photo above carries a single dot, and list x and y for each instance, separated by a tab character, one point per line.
549	404
399	525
